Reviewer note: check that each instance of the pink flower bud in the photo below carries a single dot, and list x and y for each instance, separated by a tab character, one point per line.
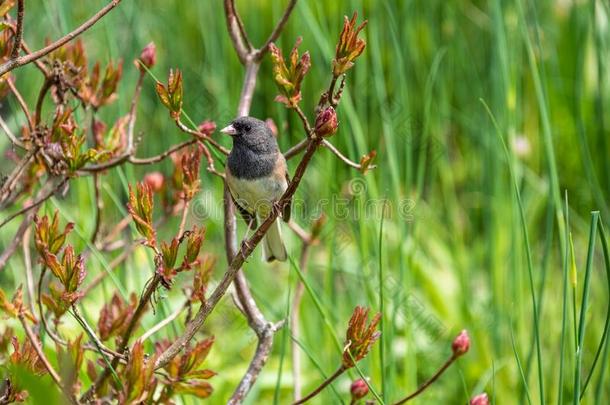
359	389
480	399
326	122
154	180
207	127
461	343
149	55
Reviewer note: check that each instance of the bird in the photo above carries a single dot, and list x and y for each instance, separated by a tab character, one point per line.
257	177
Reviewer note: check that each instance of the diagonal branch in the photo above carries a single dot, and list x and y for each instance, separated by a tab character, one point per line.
25	59
276	31
244	252
19	31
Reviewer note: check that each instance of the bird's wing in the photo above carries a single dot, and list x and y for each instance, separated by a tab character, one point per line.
249	218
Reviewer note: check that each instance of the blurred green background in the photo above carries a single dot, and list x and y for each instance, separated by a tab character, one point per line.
452	253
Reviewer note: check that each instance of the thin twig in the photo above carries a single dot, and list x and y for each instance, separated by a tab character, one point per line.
132	112
431	380
296	149
29	275
342	157
324	384
185	213
35	203
244	252
10	134
25	59
202	137
277	30
99	206
16	239
160	157
19	31
164	322
124	339
36	345
22	104
235	32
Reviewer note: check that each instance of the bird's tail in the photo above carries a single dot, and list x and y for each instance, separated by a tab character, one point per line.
273	245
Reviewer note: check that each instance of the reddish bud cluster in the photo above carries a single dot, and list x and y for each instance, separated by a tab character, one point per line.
326	122
289	77
349	46
360	337
171	95
116	315
140	207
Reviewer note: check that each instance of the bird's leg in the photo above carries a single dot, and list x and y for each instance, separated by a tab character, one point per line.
245	245
277	208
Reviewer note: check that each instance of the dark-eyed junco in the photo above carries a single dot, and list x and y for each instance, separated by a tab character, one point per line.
257	177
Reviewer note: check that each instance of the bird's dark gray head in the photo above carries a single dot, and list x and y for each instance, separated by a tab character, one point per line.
251	133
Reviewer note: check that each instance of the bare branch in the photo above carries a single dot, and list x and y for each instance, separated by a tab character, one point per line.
36	345
202	137
22	104
36	203
164	322
236	31
247	90
17	238
342	157
19	30
160	157
324	384
132	112
296	149
10	134
25	59
277	30
246	249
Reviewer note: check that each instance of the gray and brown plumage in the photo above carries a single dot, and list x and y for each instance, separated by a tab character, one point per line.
257	177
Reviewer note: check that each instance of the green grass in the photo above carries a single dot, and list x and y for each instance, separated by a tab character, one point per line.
476	233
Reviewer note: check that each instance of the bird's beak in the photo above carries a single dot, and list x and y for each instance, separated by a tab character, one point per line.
229	130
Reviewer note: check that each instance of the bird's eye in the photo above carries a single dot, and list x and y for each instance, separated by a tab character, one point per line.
247	128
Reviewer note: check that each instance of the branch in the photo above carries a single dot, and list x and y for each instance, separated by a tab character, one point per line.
22	104
160	157
8	252
244	252
35	344
236	31
10	134
431	380
35	203
24	60
276	31
296	149
324	384
19	31
164	322
342	157
202	137
124	340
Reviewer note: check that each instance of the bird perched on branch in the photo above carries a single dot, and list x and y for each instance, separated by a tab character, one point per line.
257	177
